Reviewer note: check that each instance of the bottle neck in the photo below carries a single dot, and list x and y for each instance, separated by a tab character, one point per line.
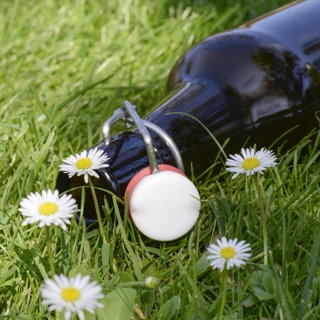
185	115
199	116
179	116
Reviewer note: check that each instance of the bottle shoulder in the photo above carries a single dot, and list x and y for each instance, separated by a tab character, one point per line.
265	78
249	61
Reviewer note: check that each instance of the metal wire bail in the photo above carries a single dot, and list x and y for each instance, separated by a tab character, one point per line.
128	114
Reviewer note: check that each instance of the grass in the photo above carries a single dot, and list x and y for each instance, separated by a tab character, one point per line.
65	65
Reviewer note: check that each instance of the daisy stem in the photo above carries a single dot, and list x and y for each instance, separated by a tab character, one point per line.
223	292
263	220
96	205
50	255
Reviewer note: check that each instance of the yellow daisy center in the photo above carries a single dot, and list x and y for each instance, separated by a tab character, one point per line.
250	163
48	208
83	163
70	294
227	253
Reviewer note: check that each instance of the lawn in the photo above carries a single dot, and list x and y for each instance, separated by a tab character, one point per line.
64	67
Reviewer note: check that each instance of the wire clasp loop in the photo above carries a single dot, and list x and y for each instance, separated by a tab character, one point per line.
128	114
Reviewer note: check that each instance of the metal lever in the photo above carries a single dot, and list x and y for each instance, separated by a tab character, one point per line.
128	114
145	135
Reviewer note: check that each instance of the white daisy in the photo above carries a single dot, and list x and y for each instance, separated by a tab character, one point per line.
48	208
228	253
73	295
250	161
85	163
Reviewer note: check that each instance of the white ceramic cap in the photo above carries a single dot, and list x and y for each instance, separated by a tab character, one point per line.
164	206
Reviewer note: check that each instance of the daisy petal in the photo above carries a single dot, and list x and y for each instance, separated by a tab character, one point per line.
250	162
228	253
86	163
73	295
47	208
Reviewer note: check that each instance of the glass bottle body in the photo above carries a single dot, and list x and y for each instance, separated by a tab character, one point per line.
248	86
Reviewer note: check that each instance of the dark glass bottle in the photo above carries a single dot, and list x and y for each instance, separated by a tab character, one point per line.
249	85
